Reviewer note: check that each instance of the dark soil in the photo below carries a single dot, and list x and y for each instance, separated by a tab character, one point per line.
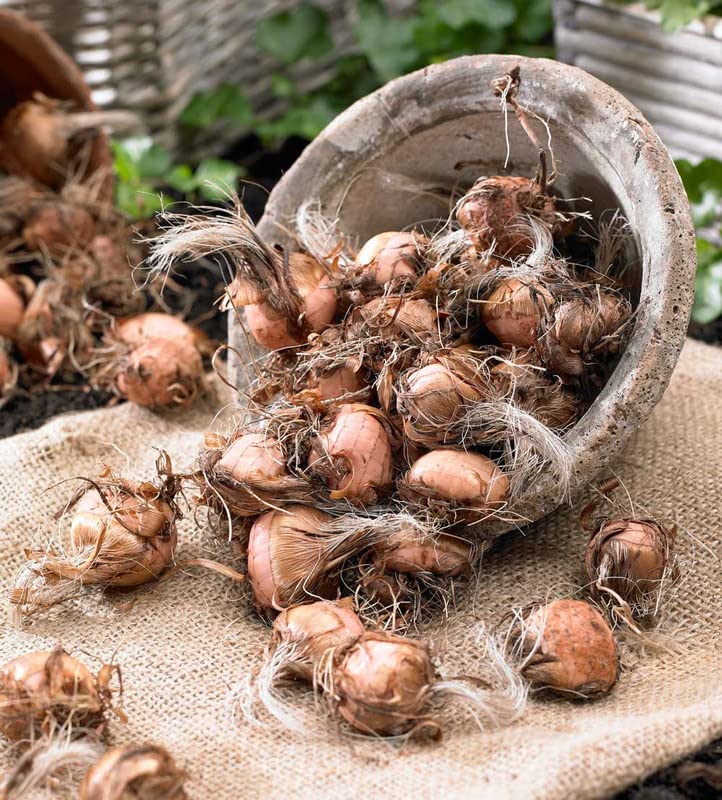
698	777
192	294
710	333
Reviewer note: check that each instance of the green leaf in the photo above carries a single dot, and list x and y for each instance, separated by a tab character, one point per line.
289	36
182	179
282	86
215	178
708	210
676	13
124	163
493	14
306	121
155	162
534	21
388	43
225	102
137	202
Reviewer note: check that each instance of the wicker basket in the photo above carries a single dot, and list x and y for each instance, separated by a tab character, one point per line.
152	56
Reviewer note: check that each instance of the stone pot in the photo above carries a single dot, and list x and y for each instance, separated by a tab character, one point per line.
442	126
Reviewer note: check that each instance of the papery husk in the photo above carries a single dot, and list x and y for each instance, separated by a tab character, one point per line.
386	685
254	493
432	398
397	318
113	533
292	559
581	335
512	311
57	759
265	278
565	647
352	453
42	691
134	772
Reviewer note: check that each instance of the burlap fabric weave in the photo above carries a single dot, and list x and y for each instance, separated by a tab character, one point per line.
186	642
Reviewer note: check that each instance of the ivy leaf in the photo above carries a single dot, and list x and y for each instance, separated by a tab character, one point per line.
306	121
137	201
282	86
388	43
676	13
494	14
155	162
226	102
215	177
289	36
124	162
181	179
708	210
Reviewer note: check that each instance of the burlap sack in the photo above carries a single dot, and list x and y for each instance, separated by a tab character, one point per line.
186	642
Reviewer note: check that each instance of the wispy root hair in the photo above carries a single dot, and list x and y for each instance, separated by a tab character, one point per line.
59	756
530	446
260	272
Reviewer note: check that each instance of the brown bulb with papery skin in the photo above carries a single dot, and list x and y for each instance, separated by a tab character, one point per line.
352	454
58	227
579	335
317	629
12	308
496	210
247	475
513	311
631	557
412	552
568	649
521	379
383	686
286	558
433	398
161	373
469	482
272	329
134	772
41	690
391	255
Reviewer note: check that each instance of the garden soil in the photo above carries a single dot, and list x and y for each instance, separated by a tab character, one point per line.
184	644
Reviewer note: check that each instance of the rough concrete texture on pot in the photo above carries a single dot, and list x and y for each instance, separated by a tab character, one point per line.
426	128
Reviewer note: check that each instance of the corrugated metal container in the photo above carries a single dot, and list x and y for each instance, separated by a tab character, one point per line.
674	78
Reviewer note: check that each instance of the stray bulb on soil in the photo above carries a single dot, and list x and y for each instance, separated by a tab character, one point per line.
41	690
58	227
567	648
12	308
134	772
353	455
162	365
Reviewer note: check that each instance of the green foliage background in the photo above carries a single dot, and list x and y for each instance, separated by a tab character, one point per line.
387	46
